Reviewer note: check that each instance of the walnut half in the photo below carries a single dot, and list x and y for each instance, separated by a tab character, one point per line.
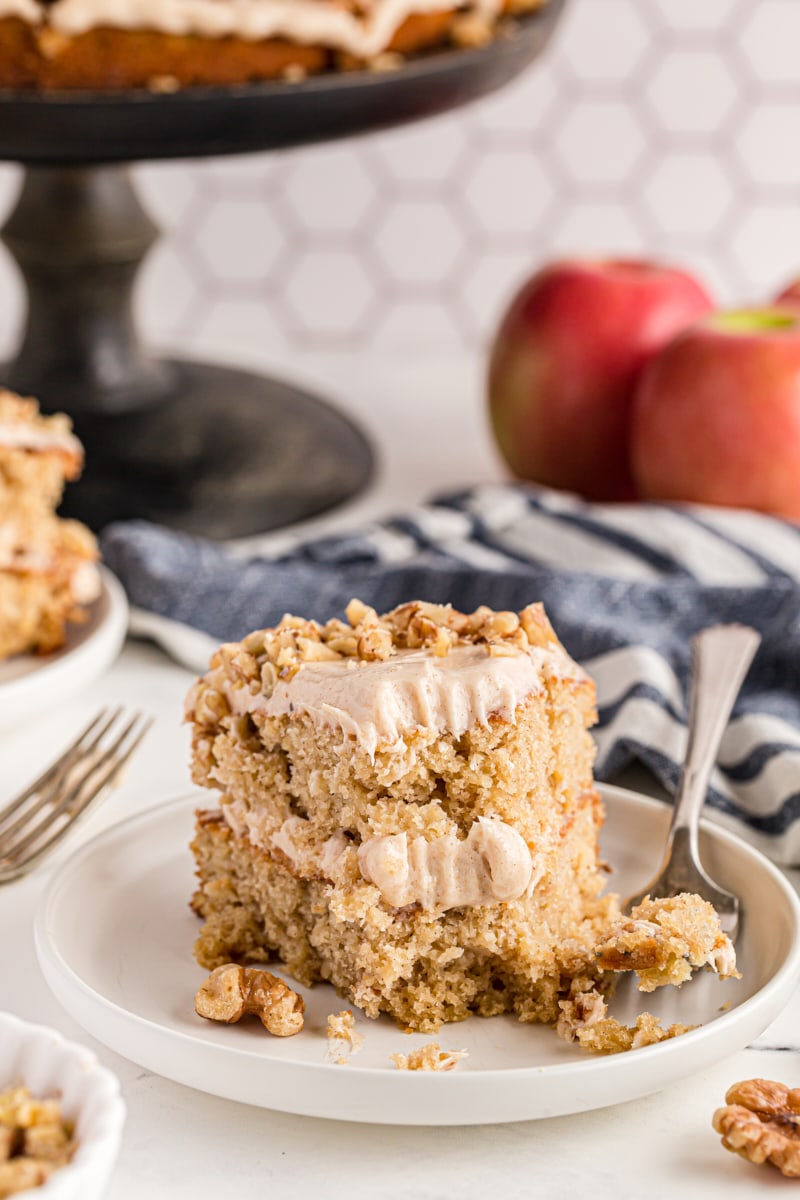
231	992
761	1121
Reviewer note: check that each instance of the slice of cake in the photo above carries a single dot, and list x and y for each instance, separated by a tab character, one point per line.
48	571
406	810
175	43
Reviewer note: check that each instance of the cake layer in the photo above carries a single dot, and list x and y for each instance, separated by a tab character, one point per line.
420	967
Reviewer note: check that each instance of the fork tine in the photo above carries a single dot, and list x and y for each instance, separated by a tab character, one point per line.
56	777
69	797
63	800
62	763
78	804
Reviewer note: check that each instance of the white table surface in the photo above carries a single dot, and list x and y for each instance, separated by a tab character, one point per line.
181	1143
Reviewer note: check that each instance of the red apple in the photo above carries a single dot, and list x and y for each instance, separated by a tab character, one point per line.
565	362
716	417
790	294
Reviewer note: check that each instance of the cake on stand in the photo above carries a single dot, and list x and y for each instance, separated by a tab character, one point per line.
204	448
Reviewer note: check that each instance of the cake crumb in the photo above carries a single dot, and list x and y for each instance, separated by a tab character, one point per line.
610	1036
583	1007
430	1057
343	1037
664	940
761	1122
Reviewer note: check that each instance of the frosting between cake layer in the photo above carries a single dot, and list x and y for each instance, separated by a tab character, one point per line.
22	436
493	863
377	702
20	557
313	22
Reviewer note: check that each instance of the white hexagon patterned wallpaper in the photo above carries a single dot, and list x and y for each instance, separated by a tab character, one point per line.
660	127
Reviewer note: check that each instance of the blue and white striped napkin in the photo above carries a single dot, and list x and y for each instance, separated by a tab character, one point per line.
625	586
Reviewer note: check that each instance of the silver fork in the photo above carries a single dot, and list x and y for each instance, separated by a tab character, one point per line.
36	820
721	656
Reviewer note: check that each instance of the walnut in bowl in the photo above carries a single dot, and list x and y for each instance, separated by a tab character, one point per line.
88	1102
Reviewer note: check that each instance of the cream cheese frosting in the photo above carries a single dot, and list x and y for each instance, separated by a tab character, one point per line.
317	22
20	435
493	863
18	555
378	702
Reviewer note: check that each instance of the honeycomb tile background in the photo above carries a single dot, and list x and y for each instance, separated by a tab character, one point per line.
661	127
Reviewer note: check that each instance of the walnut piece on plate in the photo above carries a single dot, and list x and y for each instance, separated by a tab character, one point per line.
232	991
663	941
430	1057
761	1122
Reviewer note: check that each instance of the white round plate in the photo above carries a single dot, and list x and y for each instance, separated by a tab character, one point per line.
114	937
32	683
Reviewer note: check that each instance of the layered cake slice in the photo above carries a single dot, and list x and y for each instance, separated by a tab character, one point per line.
406	809
48	571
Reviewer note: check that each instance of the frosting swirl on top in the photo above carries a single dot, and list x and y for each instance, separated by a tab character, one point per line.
378	702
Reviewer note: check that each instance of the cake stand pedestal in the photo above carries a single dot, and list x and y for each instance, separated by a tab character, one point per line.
199	447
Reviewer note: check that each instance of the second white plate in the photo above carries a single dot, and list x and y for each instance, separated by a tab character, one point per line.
32	683
114	937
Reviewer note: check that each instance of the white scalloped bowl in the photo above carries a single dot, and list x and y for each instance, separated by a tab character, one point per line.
49	1065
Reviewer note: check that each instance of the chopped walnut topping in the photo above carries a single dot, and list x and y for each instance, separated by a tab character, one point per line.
375	645
232	991
761	1121
429	1057
664	940
343	1037
264	657
35	1140
609	1036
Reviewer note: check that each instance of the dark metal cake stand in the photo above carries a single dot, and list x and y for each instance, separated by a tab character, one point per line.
203	448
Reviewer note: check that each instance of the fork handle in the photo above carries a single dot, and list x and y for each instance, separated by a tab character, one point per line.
721	656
